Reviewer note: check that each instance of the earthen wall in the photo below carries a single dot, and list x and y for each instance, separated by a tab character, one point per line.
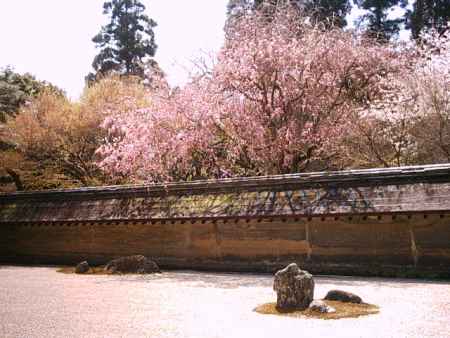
384	245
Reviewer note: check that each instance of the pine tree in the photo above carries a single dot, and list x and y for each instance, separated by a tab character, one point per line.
127	42
328	12
379	26
427	14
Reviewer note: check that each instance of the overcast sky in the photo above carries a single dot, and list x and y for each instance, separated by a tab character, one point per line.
52	38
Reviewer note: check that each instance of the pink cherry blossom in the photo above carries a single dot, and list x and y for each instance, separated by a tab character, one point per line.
279	97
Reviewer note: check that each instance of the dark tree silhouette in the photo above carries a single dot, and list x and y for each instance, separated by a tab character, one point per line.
127	42
328	12
427	14
378	24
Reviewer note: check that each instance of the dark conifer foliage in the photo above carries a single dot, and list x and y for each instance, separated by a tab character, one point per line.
427	14
378	25
16	89
127	42
328	12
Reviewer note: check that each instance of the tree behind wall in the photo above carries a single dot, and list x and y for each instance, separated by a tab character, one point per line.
378	24
55	139
411	124
328	12
277	101
127	42
427	14
16	89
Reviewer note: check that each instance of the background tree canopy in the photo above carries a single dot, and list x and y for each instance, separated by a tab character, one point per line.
428	13
328	12
127	42
16	89
376	22
289	91
54	140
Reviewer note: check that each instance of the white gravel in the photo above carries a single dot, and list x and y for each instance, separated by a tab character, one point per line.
39	302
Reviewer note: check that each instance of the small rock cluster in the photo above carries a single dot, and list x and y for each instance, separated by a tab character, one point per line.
321	306
82	267
132	264
295	291
343	296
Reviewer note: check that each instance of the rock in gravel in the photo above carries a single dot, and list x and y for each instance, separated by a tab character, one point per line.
294	288
132	264
82	267
321	306
343	296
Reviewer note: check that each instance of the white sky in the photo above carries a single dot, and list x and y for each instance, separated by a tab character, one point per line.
51	39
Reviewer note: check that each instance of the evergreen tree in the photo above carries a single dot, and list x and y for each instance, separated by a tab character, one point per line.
238	7
328	12
379	26
427	14
127	42
16	89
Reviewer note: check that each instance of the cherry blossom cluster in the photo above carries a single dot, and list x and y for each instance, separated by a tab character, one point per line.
278	100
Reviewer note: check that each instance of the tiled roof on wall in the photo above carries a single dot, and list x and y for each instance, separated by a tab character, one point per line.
369	191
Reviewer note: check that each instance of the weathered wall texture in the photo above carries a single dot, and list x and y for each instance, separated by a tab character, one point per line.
411	237
370	246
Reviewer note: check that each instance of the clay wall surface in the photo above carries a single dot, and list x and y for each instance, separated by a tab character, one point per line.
380	246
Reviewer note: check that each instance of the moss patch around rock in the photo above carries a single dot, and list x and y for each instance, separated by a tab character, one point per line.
343	310
97	270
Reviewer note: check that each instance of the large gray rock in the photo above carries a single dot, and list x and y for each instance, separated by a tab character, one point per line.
343	296
294	288
82	267
132	264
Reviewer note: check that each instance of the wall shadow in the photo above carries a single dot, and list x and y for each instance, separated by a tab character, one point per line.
239	280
